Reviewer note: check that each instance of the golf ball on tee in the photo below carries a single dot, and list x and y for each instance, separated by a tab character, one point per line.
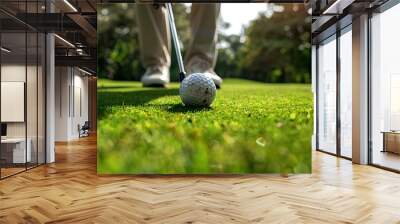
197	90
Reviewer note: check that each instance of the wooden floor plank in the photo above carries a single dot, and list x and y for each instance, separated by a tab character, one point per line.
70	191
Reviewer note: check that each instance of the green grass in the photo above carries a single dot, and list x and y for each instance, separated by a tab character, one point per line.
252	127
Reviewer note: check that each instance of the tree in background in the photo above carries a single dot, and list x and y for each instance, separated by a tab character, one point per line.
118	46
277	48
272	49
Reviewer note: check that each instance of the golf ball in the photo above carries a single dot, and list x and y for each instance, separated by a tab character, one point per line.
197	89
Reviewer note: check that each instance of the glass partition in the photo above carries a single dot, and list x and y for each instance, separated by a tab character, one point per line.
22	94
14	153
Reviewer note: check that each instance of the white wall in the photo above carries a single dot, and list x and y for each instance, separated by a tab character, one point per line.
12	73
13	100
71	102
80	110
62	81
33	126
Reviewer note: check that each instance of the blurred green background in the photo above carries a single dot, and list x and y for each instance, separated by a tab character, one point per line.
261	125
274	47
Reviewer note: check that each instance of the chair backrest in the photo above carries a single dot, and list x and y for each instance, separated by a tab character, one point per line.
86	125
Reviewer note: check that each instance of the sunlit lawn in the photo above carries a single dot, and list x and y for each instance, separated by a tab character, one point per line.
251	128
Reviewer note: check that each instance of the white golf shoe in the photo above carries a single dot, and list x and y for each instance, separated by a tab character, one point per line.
199	65
156	76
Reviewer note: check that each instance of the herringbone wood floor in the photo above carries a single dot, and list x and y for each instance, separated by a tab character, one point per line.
69	191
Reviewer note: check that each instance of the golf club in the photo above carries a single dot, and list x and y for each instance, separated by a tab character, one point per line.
196	89
175	40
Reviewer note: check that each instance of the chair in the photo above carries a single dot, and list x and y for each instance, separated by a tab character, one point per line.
84	130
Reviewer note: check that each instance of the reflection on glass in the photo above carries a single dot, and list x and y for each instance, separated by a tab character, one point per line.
346	94
22	90
385	82
327	96
394	102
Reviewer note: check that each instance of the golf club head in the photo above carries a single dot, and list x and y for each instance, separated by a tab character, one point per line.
182	76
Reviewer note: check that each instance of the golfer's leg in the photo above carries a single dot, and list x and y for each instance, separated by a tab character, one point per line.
204	18
154	37
202	54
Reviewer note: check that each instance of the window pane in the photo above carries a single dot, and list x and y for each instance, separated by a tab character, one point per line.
386	88
327	96
345	94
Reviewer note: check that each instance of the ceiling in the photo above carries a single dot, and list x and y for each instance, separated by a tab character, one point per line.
73	21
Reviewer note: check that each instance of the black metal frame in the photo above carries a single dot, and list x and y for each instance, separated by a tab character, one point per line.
338	98
44	72
316	97
369	90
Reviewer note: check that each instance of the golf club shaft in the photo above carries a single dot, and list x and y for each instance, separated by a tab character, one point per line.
175	40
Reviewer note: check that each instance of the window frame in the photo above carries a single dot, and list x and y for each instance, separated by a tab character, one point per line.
339	32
